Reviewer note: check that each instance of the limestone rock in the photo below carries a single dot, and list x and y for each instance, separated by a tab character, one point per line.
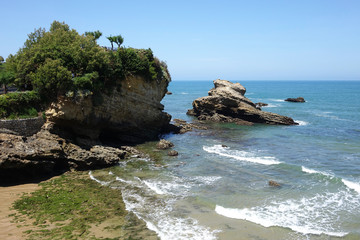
47	153
130	113
227	103
164	144
259	105
299	99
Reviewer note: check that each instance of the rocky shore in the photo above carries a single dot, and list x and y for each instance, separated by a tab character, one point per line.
227	103
87	132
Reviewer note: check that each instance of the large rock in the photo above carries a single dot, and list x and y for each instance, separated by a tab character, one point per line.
227	103
131	112
47	153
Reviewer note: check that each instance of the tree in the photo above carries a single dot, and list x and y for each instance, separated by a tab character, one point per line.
119	40
97	34
52	78
112	40
6	76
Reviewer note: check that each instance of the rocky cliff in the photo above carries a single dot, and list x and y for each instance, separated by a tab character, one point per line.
129	113
227	103
77	128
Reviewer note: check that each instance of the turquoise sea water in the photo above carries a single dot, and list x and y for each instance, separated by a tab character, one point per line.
214	192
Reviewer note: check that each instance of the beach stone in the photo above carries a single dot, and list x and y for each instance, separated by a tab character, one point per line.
173	153
299	99
226	103
274	184
164	144
168	93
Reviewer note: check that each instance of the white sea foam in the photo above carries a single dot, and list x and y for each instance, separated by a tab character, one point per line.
184	93
111	173
123	181
241	155
312	171
158	217
301	123
277	100
97	180
313	215
352	185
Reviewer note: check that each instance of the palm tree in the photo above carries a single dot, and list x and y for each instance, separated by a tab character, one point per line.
119	40
112	40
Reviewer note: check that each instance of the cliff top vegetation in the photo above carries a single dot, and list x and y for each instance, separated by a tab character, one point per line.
58	61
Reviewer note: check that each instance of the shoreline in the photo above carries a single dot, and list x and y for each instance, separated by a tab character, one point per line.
76	207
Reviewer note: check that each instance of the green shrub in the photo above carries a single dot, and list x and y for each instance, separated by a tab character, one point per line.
19	104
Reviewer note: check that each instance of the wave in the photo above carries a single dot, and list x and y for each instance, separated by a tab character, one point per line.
277	100
97	180
159	217
240	155
306	216
331	116
270	106
349	184
352	185
311	171
184	93
301	123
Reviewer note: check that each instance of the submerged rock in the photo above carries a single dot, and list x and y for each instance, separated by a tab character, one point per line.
173	153
227	103
299	99
274	184
164	144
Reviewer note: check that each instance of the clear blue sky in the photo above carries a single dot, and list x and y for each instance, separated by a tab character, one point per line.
205	40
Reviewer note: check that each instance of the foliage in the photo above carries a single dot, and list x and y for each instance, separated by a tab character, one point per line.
6	76
96	34
60	60
19	104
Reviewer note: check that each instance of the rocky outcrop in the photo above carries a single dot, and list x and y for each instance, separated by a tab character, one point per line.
299	99
259	105
131	112
164	144
47	153
227	103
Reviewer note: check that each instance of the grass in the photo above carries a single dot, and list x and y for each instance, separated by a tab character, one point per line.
73	206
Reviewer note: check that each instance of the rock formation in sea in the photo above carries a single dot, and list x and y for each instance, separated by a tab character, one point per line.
226	103
76	129
298	99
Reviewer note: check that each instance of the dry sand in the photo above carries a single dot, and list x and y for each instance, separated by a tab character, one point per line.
9	230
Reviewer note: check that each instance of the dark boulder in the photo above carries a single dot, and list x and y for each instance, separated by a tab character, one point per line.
299	99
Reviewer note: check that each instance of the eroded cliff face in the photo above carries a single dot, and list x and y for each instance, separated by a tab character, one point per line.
131	112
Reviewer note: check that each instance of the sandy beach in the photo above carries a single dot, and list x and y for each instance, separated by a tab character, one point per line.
8	229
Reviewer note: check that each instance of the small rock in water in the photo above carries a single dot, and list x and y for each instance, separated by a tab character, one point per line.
259	105
173	153
224	146
299	99
168	93
164	144
274	184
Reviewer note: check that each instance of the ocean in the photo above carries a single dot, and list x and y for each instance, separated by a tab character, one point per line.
218	185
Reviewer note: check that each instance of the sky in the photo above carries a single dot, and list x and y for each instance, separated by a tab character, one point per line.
207	40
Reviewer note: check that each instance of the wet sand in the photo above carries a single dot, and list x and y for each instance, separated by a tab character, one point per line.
8	195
